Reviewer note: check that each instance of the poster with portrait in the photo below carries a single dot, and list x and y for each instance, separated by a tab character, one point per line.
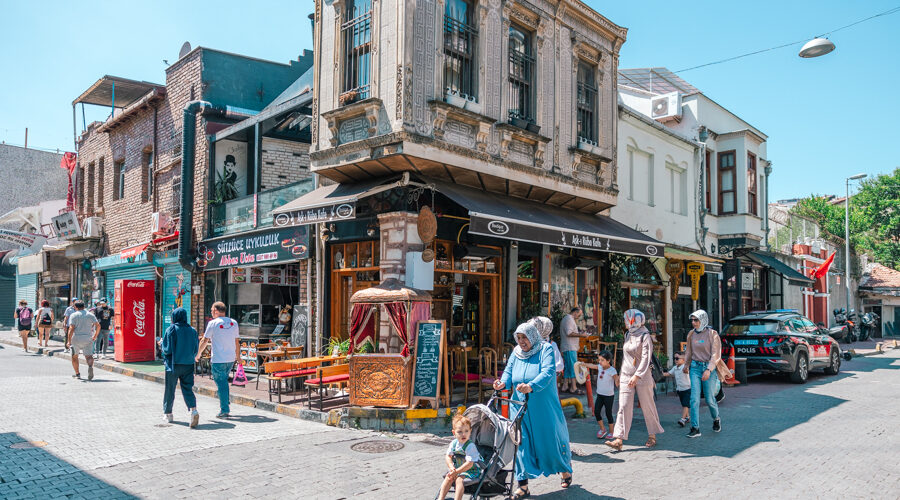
231	169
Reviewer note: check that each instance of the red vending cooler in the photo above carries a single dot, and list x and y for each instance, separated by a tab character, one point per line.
135	320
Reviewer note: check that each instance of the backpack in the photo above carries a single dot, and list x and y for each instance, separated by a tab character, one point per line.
656	370
25	316
45	317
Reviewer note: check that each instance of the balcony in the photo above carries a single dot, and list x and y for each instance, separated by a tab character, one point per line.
252	211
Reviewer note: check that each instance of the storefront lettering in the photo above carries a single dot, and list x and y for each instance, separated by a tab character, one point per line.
590	242
313	215
139	312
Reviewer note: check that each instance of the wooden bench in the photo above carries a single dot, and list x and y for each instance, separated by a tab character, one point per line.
277	372
327	376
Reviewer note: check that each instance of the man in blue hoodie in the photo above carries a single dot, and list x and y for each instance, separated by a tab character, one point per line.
179	346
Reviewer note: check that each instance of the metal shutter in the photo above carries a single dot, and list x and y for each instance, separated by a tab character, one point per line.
173	290
26	288
147	272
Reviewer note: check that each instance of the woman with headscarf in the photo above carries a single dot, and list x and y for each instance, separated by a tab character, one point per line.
702	354
545	327
544	449
635	379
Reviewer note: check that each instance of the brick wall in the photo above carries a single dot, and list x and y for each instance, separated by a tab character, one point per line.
283	162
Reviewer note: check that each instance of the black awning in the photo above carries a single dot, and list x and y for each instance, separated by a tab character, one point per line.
330	203
522	220
792	275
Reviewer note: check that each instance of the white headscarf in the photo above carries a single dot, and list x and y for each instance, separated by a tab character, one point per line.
544	326
703	317
529	330
634	320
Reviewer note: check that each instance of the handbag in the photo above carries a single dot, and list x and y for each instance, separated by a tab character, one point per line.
656	370
240	378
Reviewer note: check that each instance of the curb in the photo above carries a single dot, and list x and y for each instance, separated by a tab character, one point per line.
281	409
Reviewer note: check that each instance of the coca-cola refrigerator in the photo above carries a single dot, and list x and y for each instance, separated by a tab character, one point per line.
135	320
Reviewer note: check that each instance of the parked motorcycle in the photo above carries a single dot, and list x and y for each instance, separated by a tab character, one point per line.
847	328
869	324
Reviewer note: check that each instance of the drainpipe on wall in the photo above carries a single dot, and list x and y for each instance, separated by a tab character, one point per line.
703	135
768	171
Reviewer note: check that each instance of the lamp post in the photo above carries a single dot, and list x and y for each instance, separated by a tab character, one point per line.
847	236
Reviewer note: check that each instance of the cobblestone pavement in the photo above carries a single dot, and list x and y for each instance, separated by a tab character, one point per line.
64	438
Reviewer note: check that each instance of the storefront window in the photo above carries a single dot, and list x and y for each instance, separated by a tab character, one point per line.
354	267
562	284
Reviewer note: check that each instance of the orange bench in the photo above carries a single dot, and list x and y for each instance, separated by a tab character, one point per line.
325	377
278	371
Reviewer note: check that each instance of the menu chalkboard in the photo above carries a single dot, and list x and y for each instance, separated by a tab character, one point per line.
429	361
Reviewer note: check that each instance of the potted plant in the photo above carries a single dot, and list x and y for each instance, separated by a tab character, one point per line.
348	97
454	99
533	127
337	347
516	121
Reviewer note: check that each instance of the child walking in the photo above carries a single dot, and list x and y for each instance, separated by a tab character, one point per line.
607	381
682	386
463	460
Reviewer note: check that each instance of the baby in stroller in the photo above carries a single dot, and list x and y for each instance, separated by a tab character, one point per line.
463	459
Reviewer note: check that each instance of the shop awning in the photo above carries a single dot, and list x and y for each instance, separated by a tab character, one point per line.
674	253
134	251
792	275
330	203
522	220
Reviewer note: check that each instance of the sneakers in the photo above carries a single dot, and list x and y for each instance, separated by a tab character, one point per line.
168	417
195	419
91	373
695	432
717	425
222	414
682	422
77	376
604	435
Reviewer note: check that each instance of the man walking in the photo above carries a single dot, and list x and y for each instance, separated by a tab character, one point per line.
222	332
179	348
104	315
83	330
568	333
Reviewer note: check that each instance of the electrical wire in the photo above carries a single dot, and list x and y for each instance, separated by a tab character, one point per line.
823	35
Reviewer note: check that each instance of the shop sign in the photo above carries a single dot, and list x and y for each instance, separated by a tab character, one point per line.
336	212
746	281
66	226
695	270
561	237
674	268
254	249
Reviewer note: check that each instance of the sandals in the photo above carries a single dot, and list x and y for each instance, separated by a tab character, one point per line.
615	444
566	482
651	442
521	493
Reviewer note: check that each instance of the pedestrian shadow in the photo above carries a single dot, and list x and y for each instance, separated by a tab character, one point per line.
251	419
575	491
29	470
208	426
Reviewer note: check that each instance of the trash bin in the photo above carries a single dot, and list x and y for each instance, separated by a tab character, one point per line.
740	370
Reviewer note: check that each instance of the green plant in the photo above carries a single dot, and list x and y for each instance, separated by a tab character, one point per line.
343	346
365	348
531	307
663	360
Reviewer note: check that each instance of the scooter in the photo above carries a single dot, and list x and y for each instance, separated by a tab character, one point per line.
841	330
869	324
853	323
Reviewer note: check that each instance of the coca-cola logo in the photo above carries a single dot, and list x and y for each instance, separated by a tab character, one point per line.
135	284
139	311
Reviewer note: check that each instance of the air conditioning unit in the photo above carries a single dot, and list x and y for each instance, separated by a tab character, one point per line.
92	227
159	222
666	107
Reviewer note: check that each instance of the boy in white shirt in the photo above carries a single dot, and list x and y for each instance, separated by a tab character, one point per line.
682	386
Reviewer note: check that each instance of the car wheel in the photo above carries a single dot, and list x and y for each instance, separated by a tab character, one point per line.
835	365
801	372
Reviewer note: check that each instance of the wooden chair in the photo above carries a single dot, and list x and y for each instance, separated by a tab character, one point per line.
293	352
487	370
459	371
278	371
327	376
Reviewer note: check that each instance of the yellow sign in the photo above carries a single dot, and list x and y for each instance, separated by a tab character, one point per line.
695	270
674	268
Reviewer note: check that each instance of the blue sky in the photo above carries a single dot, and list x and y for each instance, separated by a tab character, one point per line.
826	118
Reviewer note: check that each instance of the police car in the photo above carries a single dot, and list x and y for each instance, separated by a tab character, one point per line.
781	341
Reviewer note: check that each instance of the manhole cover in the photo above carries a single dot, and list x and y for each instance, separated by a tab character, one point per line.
377	446
28	444
437	441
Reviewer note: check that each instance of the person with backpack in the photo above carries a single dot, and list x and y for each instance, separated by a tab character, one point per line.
104	315
45	323
636	380
703	353
23	321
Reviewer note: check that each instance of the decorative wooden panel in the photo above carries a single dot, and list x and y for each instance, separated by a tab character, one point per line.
379	380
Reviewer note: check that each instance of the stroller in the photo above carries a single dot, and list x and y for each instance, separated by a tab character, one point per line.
496	437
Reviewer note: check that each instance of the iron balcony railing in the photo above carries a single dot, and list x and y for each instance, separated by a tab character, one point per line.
587	120
521	85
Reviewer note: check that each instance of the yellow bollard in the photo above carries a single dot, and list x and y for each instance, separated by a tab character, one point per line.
579	408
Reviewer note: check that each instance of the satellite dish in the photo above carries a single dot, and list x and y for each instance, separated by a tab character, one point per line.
185	50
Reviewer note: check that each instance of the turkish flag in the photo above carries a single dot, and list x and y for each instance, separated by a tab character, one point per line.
823	269
68	164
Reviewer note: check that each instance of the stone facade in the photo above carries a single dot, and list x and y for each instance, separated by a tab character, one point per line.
409	113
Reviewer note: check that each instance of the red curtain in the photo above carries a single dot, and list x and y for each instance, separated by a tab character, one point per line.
361	326
421	311
397	313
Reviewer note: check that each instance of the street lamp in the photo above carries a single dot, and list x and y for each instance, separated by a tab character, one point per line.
847	236
816	47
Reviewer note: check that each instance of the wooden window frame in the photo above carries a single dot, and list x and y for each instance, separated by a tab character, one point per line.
89	188
586	101
101	171
708	180
118	180
733	189
460	49
521	75
752	185
147	175
356	33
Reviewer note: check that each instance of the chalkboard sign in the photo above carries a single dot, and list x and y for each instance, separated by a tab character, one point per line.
299	326
429	362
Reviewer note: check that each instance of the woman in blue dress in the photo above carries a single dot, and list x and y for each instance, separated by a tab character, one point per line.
544	449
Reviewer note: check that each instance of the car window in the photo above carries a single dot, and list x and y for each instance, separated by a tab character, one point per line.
751	327
809	326
794	325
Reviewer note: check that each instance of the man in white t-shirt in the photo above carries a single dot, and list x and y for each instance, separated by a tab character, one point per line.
568	344
222	332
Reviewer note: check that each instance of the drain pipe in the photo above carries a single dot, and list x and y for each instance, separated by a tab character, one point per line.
768	172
